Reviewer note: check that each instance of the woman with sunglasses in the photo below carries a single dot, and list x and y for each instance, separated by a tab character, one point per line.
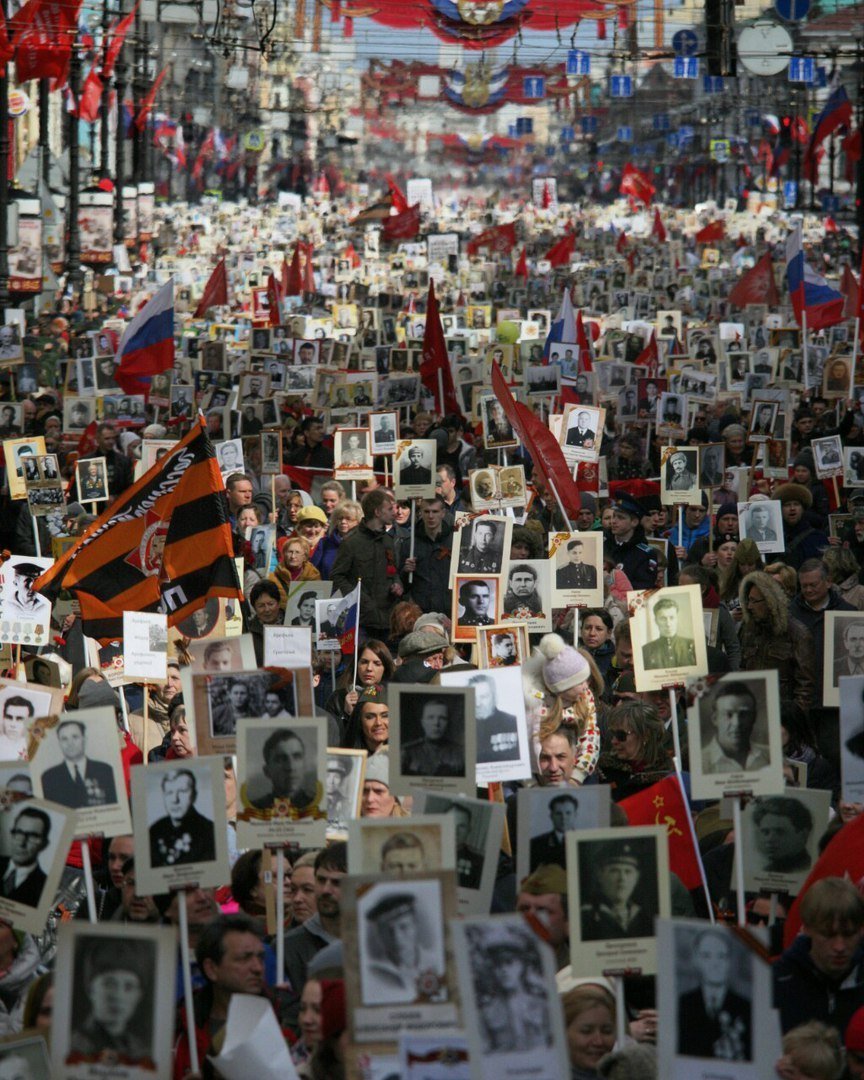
637	756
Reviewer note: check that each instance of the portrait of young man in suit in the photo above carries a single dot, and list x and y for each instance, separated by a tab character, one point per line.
547	849
78	781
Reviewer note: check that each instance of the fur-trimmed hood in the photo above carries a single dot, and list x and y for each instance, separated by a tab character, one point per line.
775	597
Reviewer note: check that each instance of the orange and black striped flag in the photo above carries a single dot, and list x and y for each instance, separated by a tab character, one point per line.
164	545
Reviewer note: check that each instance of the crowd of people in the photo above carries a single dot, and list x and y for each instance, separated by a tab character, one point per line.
663	360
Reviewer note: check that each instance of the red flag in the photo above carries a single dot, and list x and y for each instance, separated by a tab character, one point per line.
859	314
400	203
757	286
541	444
637	185
662	804
116	43
715	230
852	151
7	50
849	288
294	282
561	252
403	226
351	255
585	363
42	34
522	266
435	359
308	267
215	291
147	103
274	301
284	271
497	238
658	230
650	356
546	201
844	858
91	97
621	243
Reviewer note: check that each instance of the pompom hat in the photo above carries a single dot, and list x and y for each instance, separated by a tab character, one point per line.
565	666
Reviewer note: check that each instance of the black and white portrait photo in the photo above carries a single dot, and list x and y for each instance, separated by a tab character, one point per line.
432	736
782	838
501	725
77	764
578	569
352	452
271	453
763	416
679	475
475	603
511	1012
34	842
20	705
618	887
229	455
544	816
27	610
225	699
179	823
852	738
344	788
843	652
762	522
502	646
497	429
828	456
401	938
483	542
25	1059
668	637
528	594
385	432
414	469
478	826
715	1010
712	464
109	1006
396	848
735	734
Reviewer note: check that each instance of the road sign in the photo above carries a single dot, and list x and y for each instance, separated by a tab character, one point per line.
802	69
791	10
589	125
790	194
661	122
685	67
685	43
578	62
621	86
625	134
534	86
764	48
712	84
568	134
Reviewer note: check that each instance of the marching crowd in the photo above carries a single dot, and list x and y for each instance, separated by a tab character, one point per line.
589	722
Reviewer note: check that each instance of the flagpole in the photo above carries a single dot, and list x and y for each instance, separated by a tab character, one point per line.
357	634
441	392
804	348
566	519
855	352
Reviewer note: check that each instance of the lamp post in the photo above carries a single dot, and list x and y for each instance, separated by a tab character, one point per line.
4	180
120	142
73	250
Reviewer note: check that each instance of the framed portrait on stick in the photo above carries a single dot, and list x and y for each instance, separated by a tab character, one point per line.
34	842
666	628
111	1014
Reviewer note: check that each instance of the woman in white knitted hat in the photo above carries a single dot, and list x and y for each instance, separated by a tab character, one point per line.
557	693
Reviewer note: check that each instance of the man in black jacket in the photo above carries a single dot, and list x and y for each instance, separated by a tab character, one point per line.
625	543
118	465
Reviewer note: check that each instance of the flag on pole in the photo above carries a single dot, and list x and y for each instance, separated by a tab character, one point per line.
564	327
147	103
658	230
215	291
757	286
376	212
116	43
397	196
562	250
713	231
147	345
585	352
91	97
650	357
348	631
522	266
621	243
541	444
404	226
637	185
164	545
41	33
435	360
662	804
274	301
837	113
808	290
501	238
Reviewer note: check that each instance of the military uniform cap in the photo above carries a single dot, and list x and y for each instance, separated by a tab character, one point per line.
391	907
616	852
628	505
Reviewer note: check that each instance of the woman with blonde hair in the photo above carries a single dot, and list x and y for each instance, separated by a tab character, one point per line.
556	682
589	1021
344	517
293	566
745	560
811	1051
785	576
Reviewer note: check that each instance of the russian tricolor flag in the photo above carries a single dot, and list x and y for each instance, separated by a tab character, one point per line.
564	327
809	291
147	345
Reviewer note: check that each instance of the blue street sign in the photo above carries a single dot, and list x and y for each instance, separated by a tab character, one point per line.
589	125
625	134
802	69
685	132
661	122
791	10
712	84
568	134
621	86
685	67
534	86
790	191
754	118
672	140
830	203
821	77
578	62
685	43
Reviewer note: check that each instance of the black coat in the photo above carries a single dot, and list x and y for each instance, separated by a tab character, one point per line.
698	1032
99	788
29	892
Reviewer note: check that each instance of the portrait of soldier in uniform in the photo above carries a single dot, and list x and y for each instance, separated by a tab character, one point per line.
622	903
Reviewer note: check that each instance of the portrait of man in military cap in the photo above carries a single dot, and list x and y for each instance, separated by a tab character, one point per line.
622	899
